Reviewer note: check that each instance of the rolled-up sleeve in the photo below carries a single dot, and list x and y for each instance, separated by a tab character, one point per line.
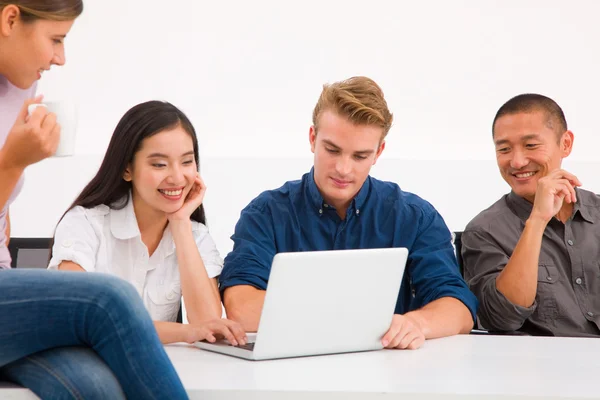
433	268
483	261
75	240
213	263
249	263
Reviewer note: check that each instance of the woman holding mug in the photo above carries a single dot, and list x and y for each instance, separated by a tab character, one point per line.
62	335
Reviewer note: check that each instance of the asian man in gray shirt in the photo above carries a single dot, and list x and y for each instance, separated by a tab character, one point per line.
532	258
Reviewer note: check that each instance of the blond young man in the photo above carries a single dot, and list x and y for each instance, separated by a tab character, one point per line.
337	205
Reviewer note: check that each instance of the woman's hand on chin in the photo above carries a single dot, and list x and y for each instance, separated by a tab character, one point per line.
192	201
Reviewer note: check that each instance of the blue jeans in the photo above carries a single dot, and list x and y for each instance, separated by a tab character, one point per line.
71	335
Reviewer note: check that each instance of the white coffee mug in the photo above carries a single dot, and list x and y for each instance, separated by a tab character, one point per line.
66	116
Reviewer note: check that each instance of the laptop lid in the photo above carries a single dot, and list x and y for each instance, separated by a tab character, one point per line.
324	302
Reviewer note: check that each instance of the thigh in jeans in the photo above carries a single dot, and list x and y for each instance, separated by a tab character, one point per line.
65	373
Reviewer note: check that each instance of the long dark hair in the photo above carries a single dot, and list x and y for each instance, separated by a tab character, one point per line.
140	122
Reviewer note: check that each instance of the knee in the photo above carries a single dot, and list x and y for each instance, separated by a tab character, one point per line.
66	373
118	293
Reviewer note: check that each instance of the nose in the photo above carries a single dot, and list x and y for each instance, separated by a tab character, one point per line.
518	160
343	166
176	175
59	57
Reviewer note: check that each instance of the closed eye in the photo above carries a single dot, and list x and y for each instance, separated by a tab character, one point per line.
332	151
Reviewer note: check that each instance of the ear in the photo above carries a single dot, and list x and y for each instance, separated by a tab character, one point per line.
9	16
566	143
127	174
379	151
312	138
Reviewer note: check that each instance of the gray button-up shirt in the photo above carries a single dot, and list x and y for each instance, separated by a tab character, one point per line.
567	301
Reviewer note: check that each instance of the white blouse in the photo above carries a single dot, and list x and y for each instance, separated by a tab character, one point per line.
101	239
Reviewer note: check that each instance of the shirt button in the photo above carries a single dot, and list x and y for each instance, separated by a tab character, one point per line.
357	212
578	281
320	211
570	242
549	278
591	314
325	205
67	243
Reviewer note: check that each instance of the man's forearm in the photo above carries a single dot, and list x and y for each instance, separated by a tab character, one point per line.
446	316
244	304
518	280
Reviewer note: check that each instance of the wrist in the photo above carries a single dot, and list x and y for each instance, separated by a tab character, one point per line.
187	333
180	225
8	165
537	220
417	318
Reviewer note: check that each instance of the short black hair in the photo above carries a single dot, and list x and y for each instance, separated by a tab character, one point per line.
530	102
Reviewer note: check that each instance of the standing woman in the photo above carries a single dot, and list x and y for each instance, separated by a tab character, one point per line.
63	335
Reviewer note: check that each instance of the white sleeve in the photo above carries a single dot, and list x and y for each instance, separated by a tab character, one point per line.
75	240
208	251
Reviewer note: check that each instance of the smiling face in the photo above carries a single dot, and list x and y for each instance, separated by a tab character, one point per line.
343	156
30	48
528	147
163	171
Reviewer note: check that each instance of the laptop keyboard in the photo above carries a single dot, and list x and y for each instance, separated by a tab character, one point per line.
247	346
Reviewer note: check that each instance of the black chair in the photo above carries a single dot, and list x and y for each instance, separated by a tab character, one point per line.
458	246
29	252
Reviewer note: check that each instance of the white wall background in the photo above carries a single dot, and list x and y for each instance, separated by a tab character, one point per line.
249	73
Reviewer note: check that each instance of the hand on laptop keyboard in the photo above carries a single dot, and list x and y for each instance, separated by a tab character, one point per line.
215	329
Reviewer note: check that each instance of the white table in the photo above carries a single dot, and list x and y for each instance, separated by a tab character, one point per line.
460	367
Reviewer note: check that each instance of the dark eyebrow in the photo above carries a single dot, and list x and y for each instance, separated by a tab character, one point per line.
530	136
523	139
161	155
361	152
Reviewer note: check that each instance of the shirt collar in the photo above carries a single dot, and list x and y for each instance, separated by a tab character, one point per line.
317	199
123	224
522	208
583	205
313	191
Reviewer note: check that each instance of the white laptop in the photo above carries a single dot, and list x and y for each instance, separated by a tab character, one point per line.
324	302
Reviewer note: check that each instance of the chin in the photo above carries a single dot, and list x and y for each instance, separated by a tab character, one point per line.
24	84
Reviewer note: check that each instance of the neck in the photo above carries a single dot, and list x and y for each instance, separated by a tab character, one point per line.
151	222
2	59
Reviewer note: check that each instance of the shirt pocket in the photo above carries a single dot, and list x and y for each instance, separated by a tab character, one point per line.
165	301
547	289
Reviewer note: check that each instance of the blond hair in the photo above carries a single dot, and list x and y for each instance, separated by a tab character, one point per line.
55	10
359	99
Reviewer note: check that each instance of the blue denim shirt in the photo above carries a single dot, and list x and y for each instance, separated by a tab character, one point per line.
296	218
